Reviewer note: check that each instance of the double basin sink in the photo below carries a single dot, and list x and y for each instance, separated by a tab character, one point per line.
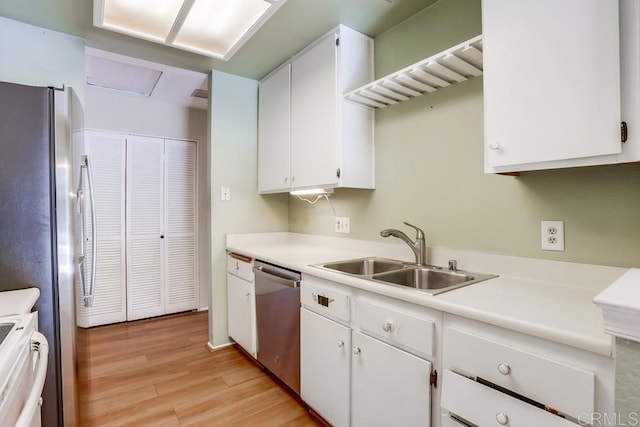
426	278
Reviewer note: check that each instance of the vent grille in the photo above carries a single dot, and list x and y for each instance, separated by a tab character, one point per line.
199	93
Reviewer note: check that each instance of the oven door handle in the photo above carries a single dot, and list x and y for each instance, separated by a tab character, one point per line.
40	345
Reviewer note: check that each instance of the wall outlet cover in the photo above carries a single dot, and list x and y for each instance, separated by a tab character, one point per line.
552	235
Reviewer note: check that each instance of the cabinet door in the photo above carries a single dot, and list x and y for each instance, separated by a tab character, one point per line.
181	217
106	152
389	386
551	80
241	313
274	127
325	360
314	116
145	227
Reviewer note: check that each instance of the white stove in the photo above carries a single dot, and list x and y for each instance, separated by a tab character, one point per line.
23	366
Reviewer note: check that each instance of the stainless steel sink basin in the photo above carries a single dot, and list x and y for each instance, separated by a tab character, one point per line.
430	279
365	266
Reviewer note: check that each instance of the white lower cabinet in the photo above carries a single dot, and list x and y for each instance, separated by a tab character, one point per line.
389	386
241	304
485	406
325	364
241	313
351	378
494	376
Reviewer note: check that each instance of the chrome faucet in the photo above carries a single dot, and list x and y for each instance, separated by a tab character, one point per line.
419	247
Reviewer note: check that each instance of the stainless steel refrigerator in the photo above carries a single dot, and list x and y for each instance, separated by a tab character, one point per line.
37	239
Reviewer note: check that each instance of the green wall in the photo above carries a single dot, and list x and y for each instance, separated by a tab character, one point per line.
234	142
429	170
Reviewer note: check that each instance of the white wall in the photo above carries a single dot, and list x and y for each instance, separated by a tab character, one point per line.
110	110
37	57
234	148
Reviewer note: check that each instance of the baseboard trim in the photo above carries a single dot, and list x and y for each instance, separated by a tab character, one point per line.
213	348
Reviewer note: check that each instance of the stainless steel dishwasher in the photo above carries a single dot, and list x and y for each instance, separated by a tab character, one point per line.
278	321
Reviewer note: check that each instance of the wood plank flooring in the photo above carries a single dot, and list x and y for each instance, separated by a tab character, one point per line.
159	372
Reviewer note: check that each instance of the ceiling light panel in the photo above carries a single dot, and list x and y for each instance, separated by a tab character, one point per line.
148	18
216	28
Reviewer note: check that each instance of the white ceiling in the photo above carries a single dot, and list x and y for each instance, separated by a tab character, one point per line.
134	76
296	24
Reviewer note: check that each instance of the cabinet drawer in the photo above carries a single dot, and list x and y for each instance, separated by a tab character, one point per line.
565	388
325	301
240	266
484	406
396	327
449	421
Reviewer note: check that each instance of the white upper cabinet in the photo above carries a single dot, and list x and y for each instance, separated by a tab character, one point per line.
274	118
551	83
330	139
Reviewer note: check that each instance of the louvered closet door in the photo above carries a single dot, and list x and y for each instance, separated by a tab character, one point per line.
107	158
181	223
145	227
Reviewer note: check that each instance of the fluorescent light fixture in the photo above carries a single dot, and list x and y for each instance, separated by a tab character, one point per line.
216	28
311	192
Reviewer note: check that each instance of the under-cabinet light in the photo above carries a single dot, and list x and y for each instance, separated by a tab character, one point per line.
311	192
216	28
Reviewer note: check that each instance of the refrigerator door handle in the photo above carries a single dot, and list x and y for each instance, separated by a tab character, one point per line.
88	296
81	238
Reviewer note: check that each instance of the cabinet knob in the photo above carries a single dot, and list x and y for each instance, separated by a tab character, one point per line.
494	146
387	326
356	350
286	179
293	178
502	419
340	343
248	294
504	369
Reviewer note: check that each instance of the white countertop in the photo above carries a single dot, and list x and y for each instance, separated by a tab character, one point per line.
620	304
547	299
18	302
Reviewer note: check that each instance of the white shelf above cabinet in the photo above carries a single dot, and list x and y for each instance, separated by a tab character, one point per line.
453	65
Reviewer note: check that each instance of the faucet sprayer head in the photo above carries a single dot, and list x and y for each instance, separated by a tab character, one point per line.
385	233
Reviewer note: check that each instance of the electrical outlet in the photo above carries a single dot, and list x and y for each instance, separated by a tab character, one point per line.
552	233
343	224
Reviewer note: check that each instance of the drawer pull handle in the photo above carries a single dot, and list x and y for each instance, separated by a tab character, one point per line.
502	419
387	326
504	369
248	294
356	350
340	343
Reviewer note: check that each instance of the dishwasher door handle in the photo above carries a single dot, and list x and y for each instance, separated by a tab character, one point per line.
280	280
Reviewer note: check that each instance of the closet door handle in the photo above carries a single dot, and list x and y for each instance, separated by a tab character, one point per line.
162	236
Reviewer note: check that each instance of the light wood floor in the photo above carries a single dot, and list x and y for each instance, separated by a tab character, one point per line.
159	372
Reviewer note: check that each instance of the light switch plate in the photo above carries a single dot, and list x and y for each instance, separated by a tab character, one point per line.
225	194
343	224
